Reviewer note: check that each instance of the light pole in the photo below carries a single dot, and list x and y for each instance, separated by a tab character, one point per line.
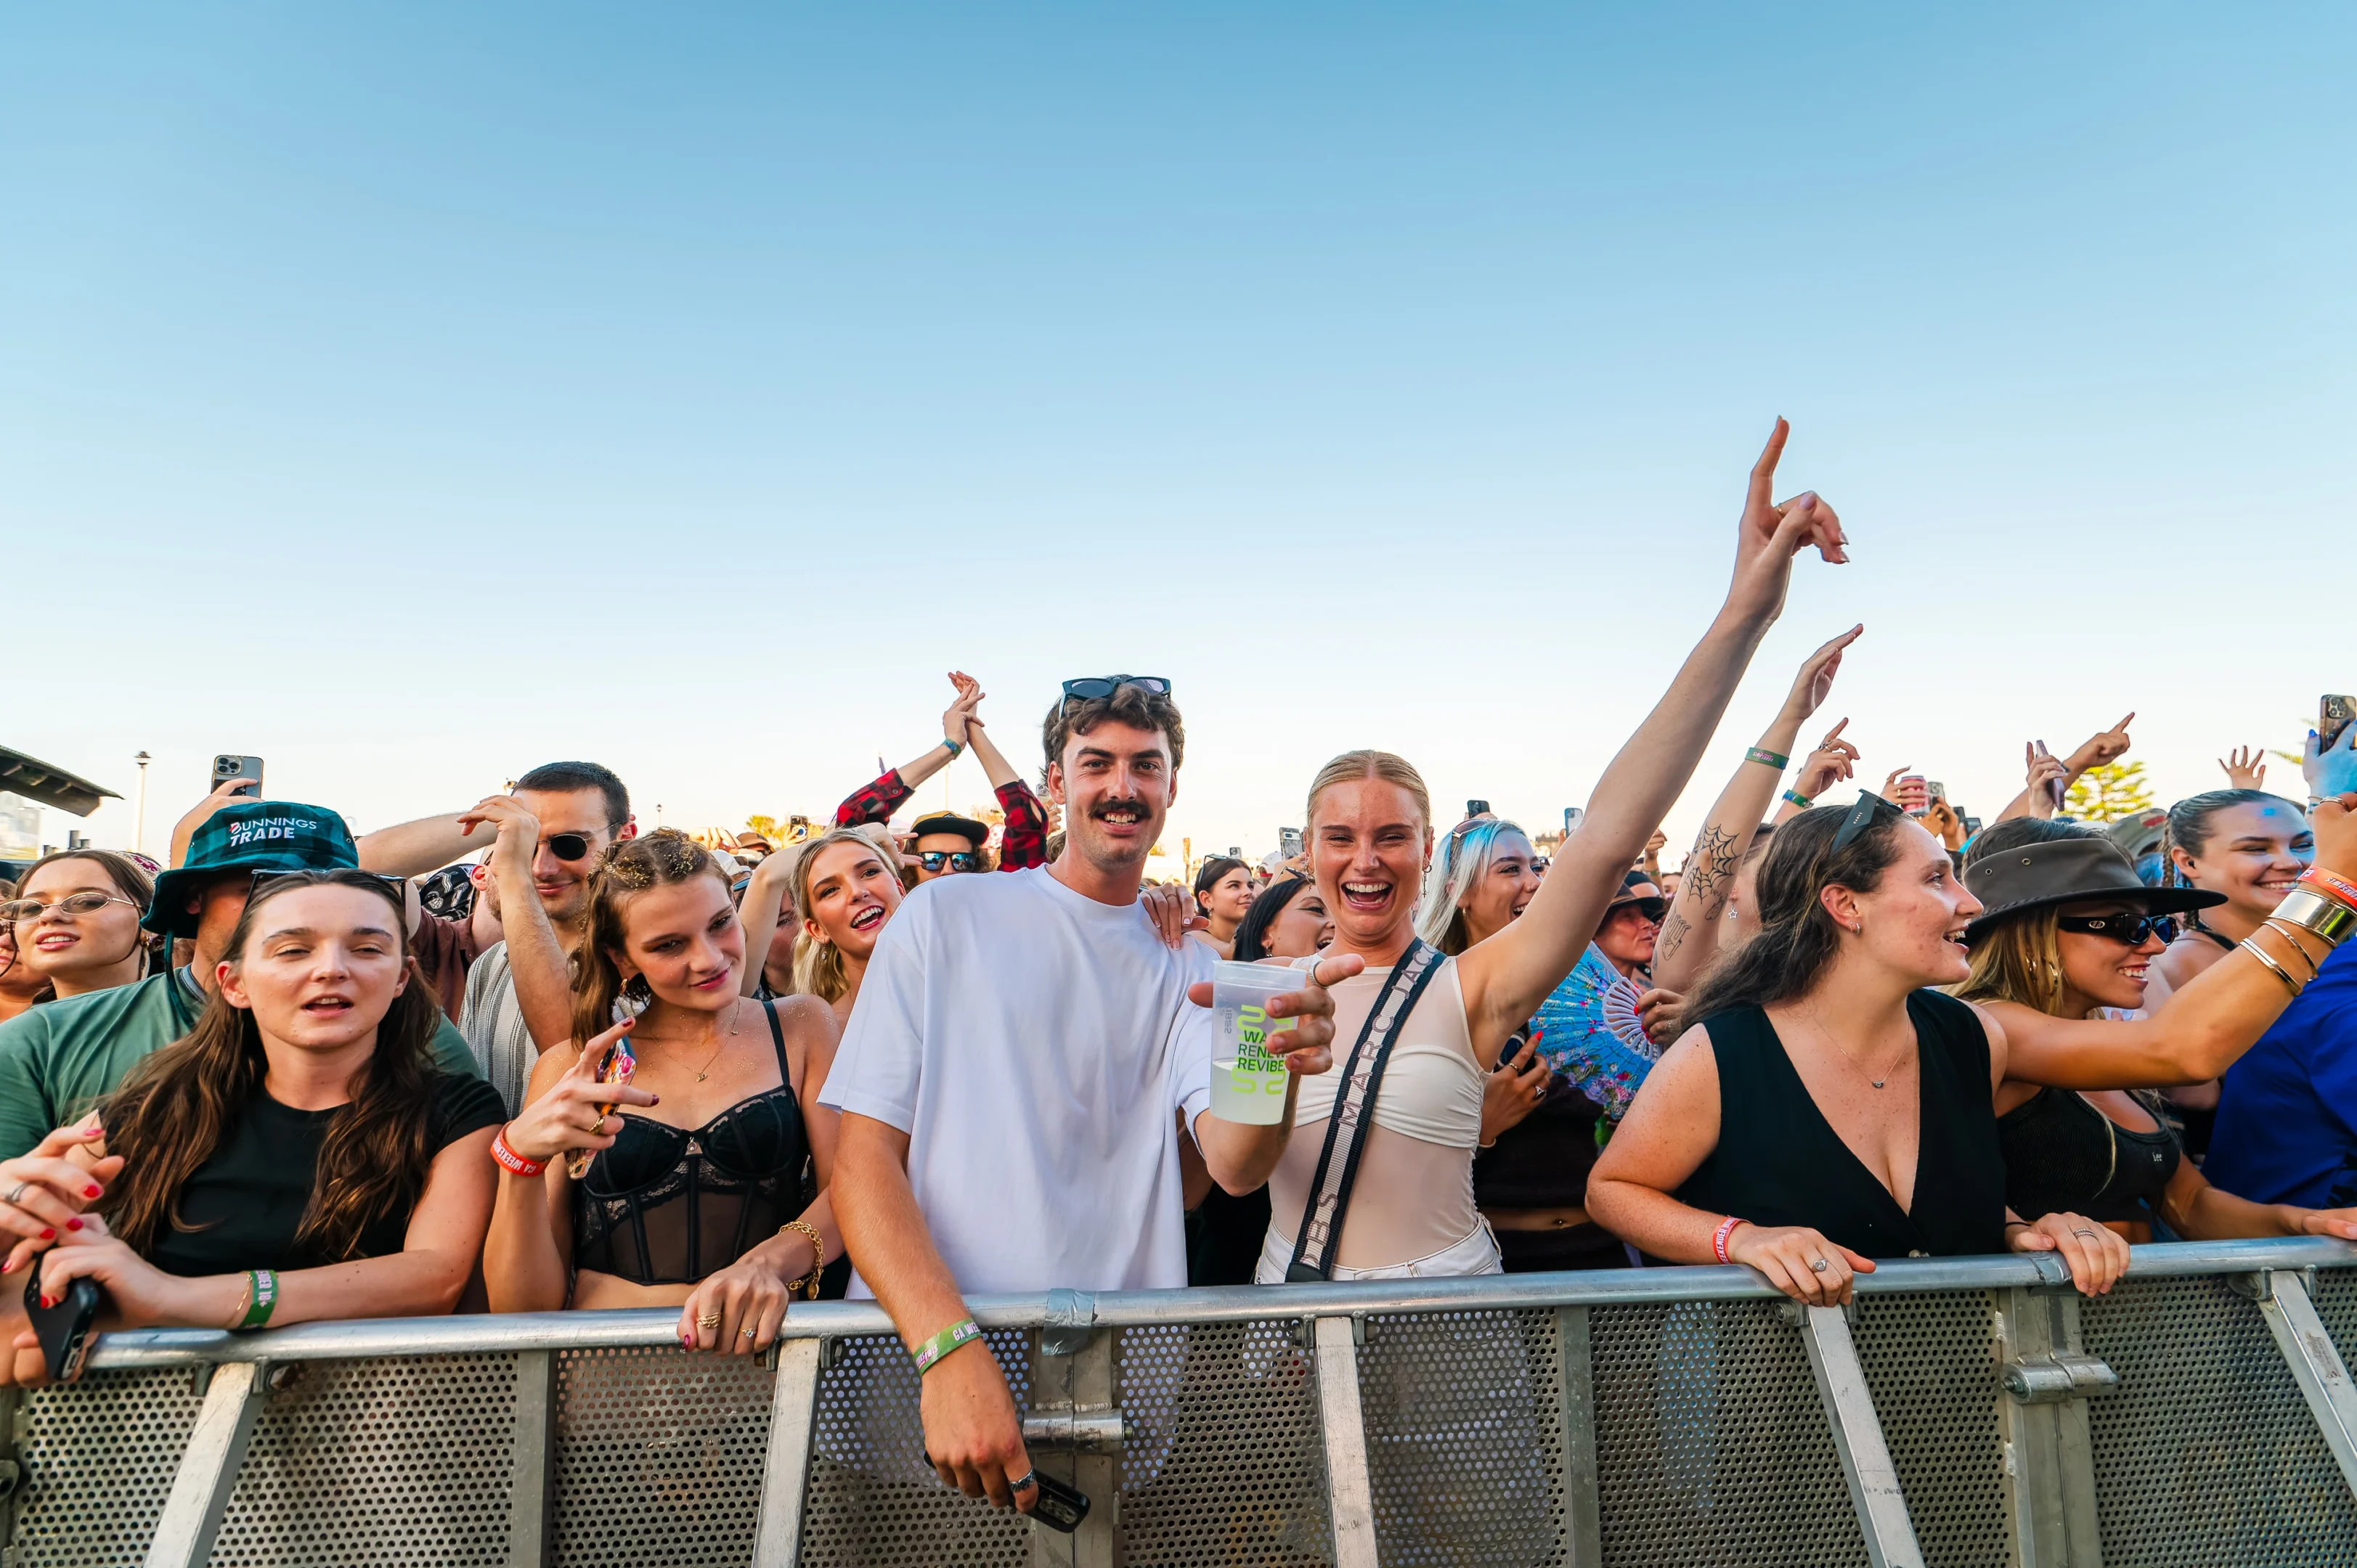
139	820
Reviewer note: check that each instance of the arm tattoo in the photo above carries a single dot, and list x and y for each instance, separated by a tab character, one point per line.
1711	869
1673	937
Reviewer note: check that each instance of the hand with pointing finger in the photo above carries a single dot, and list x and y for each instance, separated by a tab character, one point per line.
1772	533
1834	761
2101	749
579	1112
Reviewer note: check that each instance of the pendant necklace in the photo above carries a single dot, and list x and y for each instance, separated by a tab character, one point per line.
735	1021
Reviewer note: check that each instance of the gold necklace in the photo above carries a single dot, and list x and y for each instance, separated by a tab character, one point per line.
1852	1060
736	1022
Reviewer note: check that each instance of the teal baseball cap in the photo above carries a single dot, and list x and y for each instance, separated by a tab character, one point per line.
257	835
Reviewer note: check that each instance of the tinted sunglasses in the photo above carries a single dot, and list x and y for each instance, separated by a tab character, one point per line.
568	846
956	860
1861	817
2130	930
1096	686
20	910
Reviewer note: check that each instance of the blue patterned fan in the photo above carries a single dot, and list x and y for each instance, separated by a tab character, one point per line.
1589	1030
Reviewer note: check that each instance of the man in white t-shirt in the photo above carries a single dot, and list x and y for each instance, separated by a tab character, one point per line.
1017	1073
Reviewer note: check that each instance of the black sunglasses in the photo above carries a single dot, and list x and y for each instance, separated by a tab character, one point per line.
1861	817
2130	930
568	846
1096	686
956	860
399	885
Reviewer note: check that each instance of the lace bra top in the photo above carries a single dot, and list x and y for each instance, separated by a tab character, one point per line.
670	1205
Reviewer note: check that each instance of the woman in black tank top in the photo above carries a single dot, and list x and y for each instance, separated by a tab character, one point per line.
1829	1109
692	1192
2066	931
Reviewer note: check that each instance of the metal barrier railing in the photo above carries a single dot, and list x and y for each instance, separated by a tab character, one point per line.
1968	1411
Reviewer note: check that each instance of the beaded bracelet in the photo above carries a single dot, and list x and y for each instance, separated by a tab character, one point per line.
505	1153
1718	1237
929	1353
1774	759
1798	799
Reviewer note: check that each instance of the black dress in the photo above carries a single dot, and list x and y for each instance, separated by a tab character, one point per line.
1779	1162
2061	1154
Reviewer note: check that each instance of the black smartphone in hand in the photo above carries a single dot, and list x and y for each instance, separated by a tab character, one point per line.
1059	1507
63	1329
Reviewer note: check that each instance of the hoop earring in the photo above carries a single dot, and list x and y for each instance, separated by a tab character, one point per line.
637	989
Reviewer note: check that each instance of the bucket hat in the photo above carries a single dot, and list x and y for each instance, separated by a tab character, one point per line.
257	835
2066	871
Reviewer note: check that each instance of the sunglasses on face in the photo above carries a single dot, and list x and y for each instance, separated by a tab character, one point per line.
568	846
1861	817
956	860
19	911
1094	686
2127	930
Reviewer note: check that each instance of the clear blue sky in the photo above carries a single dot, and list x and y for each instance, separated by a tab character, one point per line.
410	394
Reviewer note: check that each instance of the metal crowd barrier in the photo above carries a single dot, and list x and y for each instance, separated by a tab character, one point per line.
1967	1411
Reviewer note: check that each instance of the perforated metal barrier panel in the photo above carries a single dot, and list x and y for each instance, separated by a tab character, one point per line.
1701	1422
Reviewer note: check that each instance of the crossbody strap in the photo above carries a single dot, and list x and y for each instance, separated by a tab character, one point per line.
1346	1130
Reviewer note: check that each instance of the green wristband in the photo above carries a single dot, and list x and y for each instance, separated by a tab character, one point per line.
265	1297
1761	754
957	748
941	1344
1798	799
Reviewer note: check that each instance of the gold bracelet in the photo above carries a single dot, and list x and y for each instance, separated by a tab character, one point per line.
2313	912
808	1283
2282	973
244	1303
2286	929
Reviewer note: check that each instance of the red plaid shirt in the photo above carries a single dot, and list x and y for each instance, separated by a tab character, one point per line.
1022	843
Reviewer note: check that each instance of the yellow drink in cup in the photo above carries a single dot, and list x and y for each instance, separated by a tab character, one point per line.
1247	1081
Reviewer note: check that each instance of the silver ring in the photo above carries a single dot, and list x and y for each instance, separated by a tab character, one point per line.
18	1195
2082	1230
749	1334
1818	1265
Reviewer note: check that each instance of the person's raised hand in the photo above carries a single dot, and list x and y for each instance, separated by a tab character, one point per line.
972	1439
516	829
2333	820
1773	532
1816	681
230	792
1799	1261
2101	748
571	1116
1306	1046
2097	1254
1834	761
2046	778
1890	782
44	1193
2245	768
1510	1094
2331	771
960	712
1172	912
1941	819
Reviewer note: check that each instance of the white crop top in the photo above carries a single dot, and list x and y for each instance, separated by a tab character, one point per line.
1432	1085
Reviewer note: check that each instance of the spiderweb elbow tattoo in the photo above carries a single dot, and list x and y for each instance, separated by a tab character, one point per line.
1711	870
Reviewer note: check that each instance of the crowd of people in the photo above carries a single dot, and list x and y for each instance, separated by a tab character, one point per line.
524	1056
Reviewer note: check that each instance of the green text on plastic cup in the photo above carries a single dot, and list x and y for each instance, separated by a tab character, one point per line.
1247	1082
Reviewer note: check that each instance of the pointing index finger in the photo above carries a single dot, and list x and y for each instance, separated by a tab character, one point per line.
1763	472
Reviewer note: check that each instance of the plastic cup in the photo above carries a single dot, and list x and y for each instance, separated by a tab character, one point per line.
1247	1082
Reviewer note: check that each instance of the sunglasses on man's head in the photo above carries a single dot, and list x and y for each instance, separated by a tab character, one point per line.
1861	817
956	860
399	885
1092	687
2128	930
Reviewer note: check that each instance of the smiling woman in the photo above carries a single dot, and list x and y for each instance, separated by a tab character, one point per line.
697	1107
297	1156
74	919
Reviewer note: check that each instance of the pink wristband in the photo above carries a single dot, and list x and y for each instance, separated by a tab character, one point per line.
510	1158
1718	1237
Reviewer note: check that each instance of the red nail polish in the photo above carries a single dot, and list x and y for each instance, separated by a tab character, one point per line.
73	1224
47	1234
6	1265
658	1100
92	1192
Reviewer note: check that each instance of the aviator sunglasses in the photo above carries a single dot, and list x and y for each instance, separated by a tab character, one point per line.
2128	930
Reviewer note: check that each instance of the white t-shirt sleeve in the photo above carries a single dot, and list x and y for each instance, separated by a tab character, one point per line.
881	1062
1192	1037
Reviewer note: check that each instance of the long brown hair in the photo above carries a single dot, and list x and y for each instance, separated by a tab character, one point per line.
1797	939
174	1109
130	879
630	867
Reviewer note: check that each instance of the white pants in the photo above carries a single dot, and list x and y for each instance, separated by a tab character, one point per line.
1477	1253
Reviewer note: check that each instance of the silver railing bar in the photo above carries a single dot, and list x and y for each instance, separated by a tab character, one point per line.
483	1334
1350	1487
1865	1464
1581	1534
2314	1363
785	1475
532	1461
208	1467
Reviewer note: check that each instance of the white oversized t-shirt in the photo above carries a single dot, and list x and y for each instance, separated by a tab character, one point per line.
1035	1045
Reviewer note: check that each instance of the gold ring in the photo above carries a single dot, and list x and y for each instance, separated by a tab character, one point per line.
598	1125
713	1321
